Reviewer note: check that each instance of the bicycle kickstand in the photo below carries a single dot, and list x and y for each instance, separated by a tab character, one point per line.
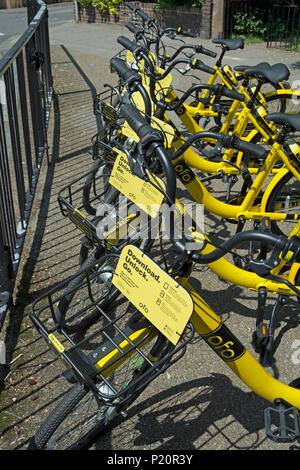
263	337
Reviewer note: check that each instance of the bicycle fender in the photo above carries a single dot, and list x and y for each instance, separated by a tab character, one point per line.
283	91
271	187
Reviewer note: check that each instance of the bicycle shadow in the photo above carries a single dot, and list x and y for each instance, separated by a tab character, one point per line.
172	419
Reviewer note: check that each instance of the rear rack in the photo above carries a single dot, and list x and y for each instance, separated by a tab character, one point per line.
120	334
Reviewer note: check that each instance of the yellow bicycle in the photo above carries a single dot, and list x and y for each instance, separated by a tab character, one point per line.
129	347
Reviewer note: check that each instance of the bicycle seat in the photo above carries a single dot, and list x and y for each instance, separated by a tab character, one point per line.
242	68
271	73
230	44
291	120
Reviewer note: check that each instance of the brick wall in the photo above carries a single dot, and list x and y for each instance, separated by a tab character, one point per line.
196	20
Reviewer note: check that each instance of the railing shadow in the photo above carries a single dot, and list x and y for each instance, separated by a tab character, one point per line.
51	252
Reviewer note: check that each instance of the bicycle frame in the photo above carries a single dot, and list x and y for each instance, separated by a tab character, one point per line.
223	342
187	113
247	208
237	276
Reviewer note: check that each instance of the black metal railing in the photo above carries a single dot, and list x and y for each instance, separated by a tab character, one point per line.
283	27
246	18
25	101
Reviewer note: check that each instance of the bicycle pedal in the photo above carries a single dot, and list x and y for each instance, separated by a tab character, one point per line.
282	422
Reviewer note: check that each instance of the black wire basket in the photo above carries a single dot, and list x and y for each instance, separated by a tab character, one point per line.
105	105
115	223
120	340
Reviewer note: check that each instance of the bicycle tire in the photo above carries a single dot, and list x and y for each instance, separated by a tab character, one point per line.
284	194
45	437
289	102
86	192
67	420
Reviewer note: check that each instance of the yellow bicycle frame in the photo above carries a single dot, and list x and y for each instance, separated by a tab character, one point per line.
247	209
225	344
187	113
235	275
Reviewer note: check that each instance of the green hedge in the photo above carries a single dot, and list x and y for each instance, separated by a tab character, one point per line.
109	6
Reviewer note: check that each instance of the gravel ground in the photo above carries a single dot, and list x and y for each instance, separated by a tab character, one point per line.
197	404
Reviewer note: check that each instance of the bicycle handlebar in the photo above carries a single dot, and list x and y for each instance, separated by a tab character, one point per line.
130	6
149	136
133	82
134	29
202	50
182	32
153	138
124	72
144	16
132	77
226	141
198	65
130	45
138	123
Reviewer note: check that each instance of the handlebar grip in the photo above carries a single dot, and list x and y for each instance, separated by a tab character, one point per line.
198	64
231	141
208	52
143	15
123	71
182	32
235	95
129	5
135	120
127	44
253	149
132	28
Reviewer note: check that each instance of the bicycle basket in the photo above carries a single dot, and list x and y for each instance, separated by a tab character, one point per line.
104	105
119	339
113	222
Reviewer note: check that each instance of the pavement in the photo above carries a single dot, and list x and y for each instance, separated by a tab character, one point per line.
100	40
197	404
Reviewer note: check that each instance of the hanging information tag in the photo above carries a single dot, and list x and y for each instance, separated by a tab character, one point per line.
140	192
164	302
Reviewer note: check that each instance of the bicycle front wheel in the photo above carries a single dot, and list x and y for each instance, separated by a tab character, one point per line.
80	418
285	198
72	424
